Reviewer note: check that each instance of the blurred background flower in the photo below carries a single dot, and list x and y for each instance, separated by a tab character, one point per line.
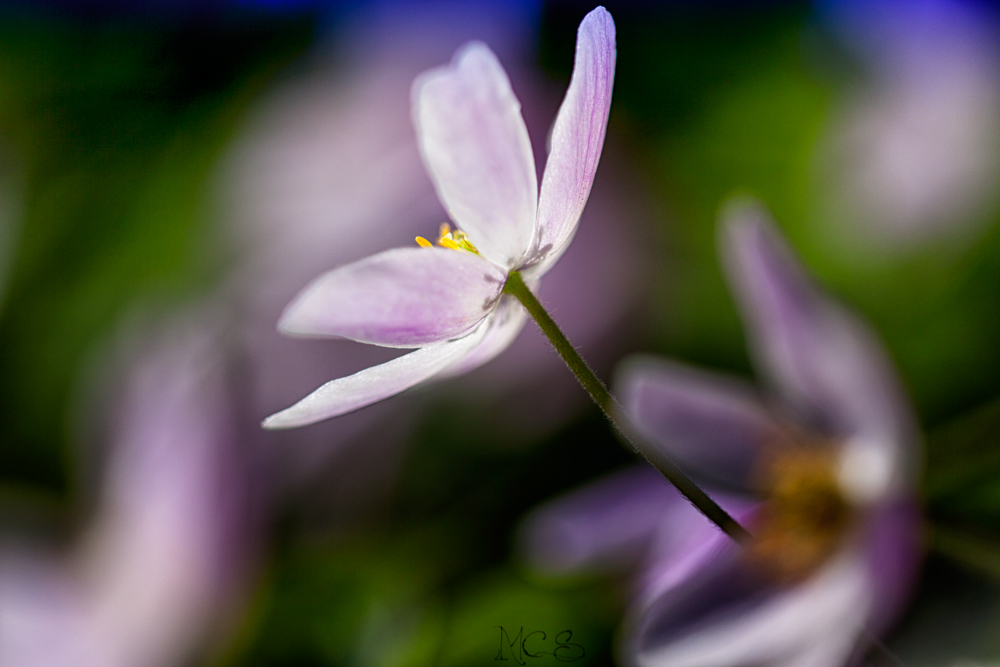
915	155
823	479
165	156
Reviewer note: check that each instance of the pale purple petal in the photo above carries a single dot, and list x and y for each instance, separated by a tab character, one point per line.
686	543
373	384
166	552
502	327
827	364
406	297
577	138
725	617
43	622
603	526
168	549
476	148
711	426
894	539
833	650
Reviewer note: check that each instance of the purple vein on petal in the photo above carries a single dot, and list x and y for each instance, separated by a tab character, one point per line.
476	148
577	137
406	297
373	384
502	327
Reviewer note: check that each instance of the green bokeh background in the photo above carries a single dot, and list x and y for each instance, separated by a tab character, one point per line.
115	127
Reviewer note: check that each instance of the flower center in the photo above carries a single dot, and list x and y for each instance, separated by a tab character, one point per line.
455	240
805	515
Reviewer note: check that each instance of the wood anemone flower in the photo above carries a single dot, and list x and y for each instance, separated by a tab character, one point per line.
448	302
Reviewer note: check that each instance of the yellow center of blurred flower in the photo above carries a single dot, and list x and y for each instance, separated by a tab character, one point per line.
455	240
805	515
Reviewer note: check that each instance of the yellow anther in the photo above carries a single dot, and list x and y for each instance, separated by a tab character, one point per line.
453	240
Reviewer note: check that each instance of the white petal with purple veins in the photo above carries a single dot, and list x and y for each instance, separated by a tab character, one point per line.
373	384
476	148
577	138
406	297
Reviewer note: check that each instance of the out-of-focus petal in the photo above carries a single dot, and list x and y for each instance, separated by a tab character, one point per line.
502	327
687	542
373	384
577	138
894	536
828	366
476	148
169	549
713	426
913	156
726	617
834	650
42	617
603	526
406	297
167	552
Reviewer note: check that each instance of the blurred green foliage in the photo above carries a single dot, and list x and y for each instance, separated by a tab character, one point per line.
382	601
117	127
431	581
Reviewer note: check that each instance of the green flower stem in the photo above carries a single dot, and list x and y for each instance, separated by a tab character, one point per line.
609	406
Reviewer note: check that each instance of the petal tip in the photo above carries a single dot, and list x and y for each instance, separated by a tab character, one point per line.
288	324
295	320
472	49
463	55
599	17
748	238
633	370
277	422
743	212
303	413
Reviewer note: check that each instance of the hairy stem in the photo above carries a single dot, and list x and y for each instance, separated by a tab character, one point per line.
609	406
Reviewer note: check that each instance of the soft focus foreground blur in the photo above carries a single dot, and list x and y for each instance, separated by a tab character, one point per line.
171	175
166	552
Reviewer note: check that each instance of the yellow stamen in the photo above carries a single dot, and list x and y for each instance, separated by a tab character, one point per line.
453	240
806	515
